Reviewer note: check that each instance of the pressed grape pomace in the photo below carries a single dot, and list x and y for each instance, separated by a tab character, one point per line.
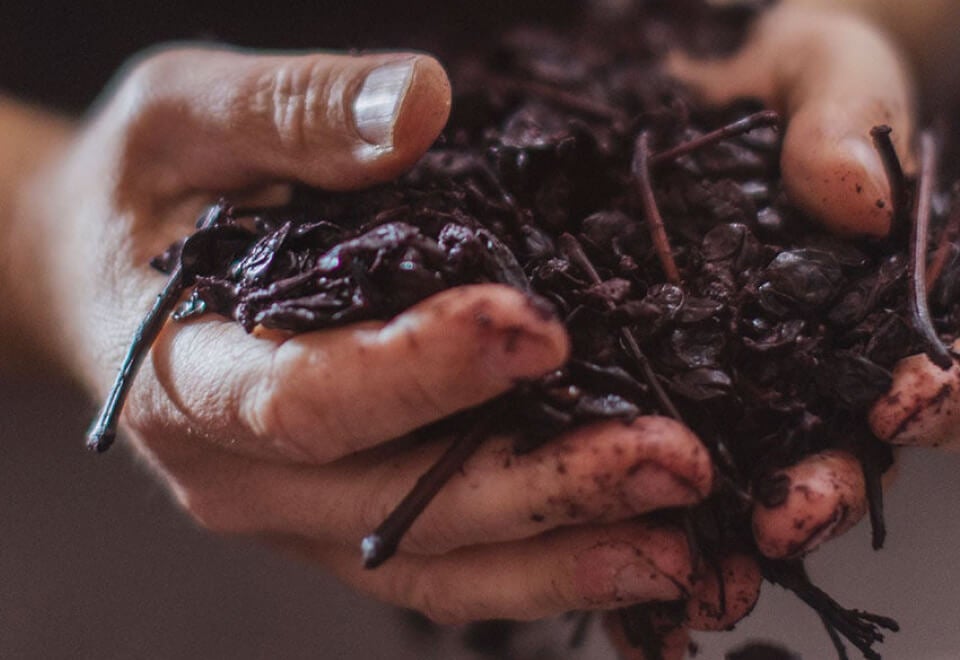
574	169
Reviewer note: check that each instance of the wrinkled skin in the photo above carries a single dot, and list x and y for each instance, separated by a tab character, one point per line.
295	440
298	440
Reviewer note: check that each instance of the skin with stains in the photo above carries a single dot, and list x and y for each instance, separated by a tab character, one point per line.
825	499
742	580
603	473
833	77
285	438
613	573
922	406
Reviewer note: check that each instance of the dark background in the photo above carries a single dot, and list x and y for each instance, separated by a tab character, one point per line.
63	53
95	562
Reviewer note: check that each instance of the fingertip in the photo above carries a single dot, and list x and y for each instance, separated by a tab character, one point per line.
809	503
922	406
425	109
742	581
506	333
685	453
841	182
399	110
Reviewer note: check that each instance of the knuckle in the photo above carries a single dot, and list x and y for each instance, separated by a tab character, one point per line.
265	410
294	99
262	407
273	408
146	72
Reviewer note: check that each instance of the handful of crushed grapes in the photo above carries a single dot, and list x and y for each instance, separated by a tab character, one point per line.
575	170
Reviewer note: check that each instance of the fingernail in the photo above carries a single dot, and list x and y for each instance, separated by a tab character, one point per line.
378	102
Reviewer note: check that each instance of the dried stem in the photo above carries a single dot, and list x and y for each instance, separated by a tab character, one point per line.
745	125
949	234
574	251
658	232
835	639
580	629
104	430
638	627
382	543
894	170
917	294
878	527
862	629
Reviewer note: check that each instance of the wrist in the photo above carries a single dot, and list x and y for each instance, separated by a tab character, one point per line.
30	139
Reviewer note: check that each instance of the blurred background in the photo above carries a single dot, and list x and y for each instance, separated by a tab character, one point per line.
96	562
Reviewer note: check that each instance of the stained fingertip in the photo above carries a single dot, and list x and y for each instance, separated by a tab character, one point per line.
923	404
343	390
681	456
642	565
802	506
582	568
841	184
514	335
716	606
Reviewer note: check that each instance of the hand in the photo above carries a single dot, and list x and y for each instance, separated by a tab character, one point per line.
296	440
833	77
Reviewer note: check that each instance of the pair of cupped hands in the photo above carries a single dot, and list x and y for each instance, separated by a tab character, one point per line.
295	441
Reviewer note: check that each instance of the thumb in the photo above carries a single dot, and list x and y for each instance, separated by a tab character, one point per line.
834	77
225	119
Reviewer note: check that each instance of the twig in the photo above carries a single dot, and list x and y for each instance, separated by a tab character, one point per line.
835	639
579	634
739	127
950	232
658	233
104	430
894	170
637	622
382	543
862	629
874	485
917	297
574	251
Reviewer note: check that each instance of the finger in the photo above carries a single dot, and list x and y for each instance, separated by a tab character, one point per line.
713	606
834	77
570	569
223	119
922	406
802	506
321	395
926	30
604	473
674	640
